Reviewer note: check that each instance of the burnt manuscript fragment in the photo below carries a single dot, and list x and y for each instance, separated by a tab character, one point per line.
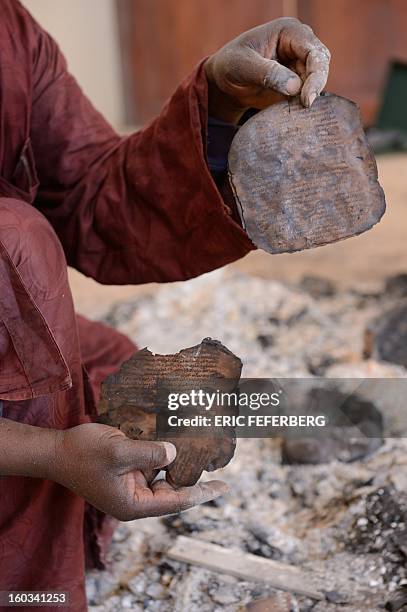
133	398
305	177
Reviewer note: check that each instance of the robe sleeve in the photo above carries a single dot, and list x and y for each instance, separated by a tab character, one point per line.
135	209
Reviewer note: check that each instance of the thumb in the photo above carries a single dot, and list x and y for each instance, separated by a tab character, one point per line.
270	74
145	455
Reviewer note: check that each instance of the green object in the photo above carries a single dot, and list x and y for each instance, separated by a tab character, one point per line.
393	112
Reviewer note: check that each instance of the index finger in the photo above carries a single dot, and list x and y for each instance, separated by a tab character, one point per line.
165	499
307	48
316	75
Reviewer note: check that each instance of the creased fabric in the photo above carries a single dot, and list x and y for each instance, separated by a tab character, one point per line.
132	209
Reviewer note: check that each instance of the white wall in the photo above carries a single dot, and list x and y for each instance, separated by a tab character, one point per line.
86	31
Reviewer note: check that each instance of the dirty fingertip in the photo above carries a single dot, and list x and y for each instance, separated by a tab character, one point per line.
293	86
308	98
217	487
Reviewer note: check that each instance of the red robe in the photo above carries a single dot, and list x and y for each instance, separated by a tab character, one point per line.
132	209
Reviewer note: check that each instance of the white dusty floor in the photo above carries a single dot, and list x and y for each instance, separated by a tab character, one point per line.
316	517
310	516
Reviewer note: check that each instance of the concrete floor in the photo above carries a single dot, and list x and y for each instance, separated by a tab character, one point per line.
366	259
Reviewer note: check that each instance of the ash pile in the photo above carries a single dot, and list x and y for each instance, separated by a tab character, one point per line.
340	517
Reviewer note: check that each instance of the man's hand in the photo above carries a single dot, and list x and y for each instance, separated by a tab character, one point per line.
112	472
259	67
102	465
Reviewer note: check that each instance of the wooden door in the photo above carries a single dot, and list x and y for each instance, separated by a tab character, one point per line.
162	40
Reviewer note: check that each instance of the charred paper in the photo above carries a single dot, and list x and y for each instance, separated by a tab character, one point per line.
305	177
133	398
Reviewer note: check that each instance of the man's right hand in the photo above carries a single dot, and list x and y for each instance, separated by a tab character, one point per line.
102	465
112	472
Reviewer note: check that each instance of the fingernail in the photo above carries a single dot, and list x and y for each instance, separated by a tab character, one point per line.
293	86
223	488
170	451
311	99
